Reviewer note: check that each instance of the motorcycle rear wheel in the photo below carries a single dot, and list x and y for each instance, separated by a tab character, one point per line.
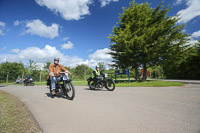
91	85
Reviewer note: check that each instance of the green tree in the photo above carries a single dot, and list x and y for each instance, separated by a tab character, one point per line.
47	64
146	36
11	70
81	72
102	66
186	66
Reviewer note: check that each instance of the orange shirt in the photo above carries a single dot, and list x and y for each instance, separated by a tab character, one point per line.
56	69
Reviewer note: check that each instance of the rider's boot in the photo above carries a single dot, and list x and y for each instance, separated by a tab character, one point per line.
53	92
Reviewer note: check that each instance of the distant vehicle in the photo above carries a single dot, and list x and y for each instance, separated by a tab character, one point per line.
103	81
29	81
18	80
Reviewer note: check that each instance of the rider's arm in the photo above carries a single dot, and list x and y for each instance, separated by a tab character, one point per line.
62	68
94	73
51	72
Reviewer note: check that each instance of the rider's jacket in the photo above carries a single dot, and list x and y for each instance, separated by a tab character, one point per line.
56	69
96	73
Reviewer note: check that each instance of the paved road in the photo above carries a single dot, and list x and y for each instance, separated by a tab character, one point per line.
126	110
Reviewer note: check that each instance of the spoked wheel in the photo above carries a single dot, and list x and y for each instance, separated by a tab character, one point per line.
110	84
91	84
70	90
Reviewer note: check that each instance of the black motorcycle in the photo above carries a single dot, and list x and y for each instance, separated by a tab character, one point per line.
102	81
64	87
29	82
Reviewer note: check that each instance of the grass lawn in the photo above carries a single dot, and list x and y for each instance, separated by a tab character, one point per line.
14	116
122	83
151	83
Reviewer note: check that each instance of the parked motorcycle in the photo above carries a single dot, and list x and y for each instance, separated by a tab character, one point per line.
29	82
64	87
102	81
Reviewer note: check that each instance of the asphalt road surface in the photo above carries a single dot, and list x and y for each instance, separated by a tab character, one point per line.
126	110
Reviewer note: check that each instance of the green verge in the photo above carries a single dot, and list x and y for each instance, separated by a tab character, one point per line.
148	84
123	83
14	116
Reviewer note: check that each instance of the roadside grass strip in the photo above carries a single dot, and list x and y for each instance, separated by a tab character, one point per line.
14	116
122	83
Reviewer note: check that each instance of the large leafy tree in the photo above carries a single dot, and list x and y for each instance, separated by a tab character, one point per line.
9	71
146	36
81	72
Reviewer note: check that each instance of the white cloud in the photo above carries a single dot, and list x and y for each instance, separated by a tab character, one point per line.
1	32
68	45
196	34
65	38
68	9
37	27
42	55
16	23
90	50
4	48
15	50
2	26
106	2
190	12
100	55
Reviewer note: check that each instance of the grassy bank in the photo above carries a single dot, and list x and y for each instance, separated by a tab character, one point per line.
14	116
123	83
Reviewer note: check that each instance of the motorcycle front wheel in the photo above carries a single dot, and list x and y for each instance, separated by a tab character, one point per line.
110	85
69	90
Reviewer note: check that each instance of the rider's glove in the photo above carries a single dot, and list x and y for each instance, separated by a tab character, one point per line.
51	74
68	72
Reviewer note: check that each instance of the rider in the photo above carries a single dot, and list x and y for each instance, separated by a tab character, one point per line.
96	74
55	70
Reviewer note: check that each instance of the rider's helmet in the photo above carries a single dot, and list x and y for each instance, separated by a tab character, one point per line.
97	67
56	58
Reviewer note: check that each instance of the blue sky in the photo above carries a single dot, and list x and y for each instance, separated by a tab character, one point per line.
76	31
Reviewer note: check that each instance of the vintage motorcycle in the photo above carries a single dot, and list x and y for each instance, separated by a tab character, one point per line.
102	81
29	82
64	87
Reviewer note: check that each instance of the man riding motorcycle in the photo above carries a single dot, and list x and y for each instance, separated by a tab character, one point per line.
96	74
55	70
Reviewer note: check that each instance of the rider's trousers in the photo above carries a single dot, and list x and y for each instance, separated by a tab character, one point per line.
53	82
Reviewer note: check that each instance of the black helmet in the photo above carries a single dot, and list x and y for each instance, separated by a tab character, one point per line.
56	58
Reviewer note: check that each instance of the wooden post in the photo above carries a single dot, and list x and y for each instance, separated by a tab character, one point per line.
7	77
23	75
40	75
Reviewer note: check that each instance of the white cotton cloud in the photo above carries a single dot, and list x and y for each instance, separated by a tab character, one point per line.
190	12
65	38
40	55
16	23
196	34
68	45
3	48
68	9
1	32
100	55
48	53
15	50
2	26
106	2
37	27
